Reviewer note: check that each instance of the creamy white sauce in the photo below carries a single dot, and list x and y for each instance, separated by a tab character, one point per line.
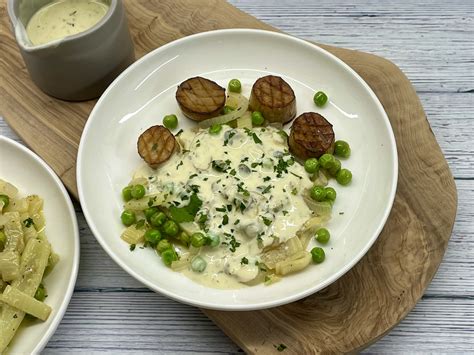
254	203
63	18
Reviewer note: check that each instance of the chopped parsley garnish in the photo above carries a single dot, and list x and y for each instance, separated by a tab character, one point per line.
192	176
299	177
267	178
229	208
186	213
202	218
28	222
294	191
220	165
284	212
233	244
256	139
233	172
151	201
179	164
253	135
267	189
244	261
254	165
225	220
179	132
221	209
282	166
229	137
241	189
194	188
132	247
237	221
154	146
266	221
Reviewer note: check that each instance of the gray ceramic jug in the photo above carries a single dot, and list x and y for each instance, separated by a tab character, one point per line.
77	67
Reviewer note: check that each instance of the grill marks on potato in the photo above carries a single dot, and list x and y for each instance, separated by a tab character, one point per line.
156	145
274	98
311	136
200	98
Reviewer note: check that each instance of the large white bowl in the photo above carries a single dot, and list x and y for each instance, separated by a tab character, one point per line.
31	175
145	92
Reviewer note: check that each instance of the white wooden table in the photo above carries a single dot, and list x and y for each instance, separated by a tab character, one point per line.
432	42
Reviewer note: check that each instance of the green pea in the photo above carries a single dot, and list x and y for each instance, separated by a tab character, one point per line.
320	99
344	177
213	240
128	217
235	86
171	228
158	219
334	167
342	149
168	256
318	193
311	165
163	245
40	293
5	199
198	240
170	121
153	236
318	255
323	235
326	160
330	193
184	238
149	212
227	109
215	129
127	193
257	118
198	264
3	240
138	191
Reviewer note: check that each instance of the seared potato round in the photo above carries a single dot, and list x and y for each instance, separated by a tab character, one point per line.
274	98
311	136
200	98
156	145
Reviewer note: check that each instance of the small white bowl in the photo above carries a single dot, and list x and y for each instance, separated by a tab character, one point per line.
31	175
145	92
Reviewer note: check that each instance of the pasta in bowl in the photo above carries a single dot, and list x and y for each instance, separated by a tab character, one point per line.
186	85
26	257
38	223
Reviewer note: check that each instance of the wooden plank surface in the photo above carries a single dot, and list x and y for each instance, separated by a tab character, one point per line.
458	138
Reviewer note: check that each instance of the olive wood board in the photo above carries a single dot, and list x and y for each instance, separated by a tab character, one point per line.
373	296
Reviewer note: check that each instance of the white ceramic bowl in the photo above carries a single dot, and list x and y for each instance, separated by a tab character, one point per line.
145	92
31	175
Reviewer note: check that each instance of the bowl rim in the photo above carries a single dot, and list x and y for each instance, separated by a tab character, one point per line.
255	306
61	310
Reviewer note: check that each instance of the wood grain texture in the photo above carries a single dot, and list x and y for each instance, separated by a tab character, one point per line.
466	126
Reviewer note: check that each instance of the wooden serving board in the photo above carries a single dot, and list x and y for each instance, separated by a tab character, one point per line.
382	288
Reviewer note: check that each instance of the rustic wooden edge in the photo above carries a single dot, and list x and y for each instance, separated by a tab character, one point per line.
422	232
